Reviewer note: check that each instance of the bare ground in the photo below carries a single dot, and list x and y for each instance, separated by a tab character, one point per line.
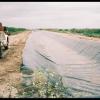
10	64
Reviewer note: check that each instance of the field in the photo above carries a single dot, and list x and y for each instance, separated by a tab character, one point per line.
85	32
13	30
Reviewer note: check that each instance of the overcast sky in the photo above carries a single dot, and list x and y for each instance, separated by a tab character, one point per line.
50	14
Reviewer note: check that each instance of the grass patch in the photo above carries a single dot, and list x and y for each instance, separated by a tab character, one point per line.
85	32
46	84
13	30
50	85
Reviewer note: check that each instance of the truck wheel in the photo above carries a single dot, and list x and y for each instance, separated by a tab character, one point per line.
1	51
6	47
0	54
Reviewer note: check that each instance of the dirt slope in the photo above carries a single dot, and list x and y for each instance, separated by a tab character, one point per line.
10	64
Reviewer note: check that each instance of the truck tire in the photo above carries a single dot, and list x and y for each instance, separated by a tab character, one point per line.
6	47
1	52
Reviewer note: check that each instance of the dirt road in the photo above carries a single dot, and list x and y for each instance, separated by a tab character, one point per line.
10	64
76	59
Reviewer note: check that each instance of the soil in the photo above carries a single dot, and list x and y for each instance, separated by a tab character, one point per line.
10	64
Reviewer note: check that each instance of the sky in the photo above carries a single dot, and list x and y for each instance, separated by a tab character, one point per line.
50	14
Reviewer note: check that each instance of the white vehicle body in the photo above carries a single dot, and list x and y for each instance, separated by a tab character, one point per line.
3	38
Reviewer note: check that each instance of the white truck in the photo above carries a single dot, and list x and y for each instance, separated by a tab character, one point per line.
4	39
